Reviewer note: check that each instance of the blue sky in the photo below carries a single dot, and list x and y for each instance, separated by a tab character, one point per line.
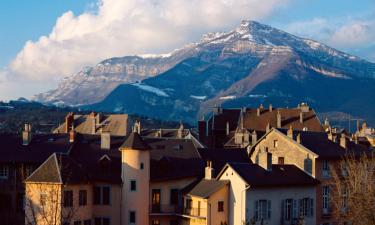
42	41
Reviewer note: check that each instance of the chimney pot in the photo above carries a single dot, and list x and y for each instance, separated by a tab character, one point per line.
26	134
72	135
298	139
258	111
301	117
254	137
209	171
343	141
270	107
290	132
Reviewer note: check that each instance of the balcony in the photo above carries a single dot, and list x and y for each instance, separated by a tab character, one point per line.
160	209
195	212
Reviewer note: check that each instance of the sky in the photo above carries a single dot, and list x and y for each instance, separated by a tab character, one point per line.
43	41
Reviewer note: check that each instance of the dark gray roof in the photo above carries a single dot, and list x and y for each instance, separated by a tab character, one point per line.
47	172
135	141
205	188
281	175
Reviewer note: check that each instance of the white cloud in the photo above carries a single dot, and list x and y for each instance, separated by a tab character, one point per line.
119	27
343	33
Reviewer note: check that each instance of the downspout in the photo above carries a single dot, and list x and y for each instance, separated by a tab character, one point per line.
245	189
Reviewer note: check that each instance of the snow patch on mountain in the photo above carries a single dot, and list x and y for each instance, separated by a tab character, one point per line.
198	97
329	73
151	89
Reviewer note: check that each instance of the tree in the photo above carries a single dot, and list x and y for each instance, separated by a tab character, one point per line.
353	190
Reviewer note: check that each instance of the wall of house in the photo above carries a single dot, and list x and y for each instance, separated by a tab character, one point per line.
50	212
135	200
237	196
276	196
292	152
196	215
214	216
111	211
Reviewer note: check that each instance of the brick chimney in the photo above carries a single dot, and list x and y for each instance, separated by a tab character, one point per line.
278	119
69	120
298	138
290	132
180	130
26	134
209	172
254	137
270	107
72	135
343	141
105	140
301	117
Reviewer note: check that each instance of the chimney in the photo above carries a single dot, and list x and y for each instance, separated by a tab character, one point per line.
326	122
180	130
227	129
26	134
238	137
301	117
270	107
254	137
69	120
105	140
209	172
304	107
159	133
246	137
202	126
72	135
268	127
265	160
98	119
343	141
258	111
290	132
92	118
137	127
298	139
278	118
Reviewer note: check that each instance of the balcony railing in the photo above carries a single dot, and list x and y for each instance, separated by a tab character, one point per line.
165	209
195	212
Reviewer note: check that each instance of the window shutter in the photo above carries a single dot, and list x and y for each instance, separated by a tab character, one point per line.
300	211
294	208
269	209
256	211
311	207
283	210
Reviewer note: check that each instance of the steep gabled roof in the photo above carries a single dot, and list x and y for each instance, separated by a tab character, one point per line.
205	188
280	175
135	141
48	172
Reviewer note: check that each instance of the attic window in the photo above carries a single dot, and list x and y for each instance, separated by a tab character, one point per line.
275	143
178	147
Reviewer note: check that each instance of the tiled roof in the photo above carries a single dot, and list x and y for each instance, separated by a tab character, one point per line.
116	124
319	143
281	175
134	141
289	117
219	121
38	150
221	156
205	188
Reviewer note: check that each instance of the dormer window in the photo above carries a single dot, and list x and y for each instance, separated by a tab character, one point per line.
104	162
4	172
141	166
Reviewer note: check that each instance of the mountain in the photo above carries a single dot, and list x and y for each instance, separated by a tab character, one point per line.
249	65
93	84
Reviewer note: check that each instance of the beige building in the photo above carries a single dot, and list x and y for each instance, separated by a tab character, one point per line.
312	152
277	194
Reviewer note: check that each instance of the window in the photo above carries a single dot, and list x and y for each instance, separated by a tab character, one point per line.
132	217
281	160
275	143
188	203
42	199
82	199
174	197
77	222
4	201
133	185
307	164
87	222
325	168
262	210
199	208
101	221
106	195
4	172
288	207
142	166
220	206
155	222
325	199
102	195
68	198
306	207
344	199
